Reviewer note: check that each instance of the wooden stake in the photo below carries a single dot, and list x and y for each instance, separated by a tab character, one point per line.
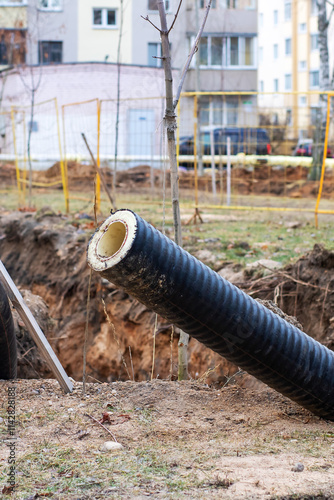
34	330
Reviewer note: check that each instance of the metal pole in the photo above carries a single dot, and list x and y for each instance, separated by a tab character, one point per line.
228	180
213	166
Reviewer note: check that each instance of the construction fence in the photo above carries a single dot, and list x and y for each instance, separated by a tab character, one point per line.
235	150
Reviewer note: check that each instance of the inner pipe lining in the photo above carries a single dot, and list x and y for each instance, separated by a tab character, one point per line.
112	240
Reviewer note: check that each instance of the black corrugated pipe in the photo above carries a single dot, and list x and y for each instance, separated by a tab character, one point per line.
135	256
8	353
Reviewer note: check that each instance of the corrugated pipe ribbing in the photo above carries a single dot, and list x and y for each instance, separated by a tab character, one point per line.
136	257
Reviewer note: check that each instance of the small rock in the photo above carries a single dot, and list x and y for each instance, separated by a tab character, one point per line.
298	467
206	256
70	410
232	273
111	446
266	265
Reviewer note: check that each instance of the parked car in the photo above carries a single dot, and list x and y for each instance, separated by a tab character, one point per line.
304	148
243	140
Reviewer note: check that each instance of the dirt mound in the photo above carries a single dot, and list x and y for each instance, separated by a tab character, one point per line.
262	180
304	290
46	254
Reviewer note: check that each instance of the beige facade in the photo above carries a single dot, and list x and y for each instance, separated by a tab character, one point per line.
99	42
13	17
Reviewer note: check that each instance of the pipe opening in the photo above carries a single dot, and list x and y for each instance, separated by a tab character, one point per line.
112	240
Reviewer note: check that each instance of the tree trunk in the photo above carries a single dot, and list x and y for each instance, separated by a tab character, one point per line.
171	125
324	83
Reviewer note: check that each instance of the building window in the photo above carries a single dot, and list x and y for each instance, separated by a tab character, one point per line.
232	4
154	55
261	19
302	28
261	86
153	5
314	7
12	46
204	3
314	79
314	113
302	100
275	84
275	16
287	10
288	82
288	118
302	65
12	3
234	51
261	54
230	51
50	4
275	50
104	18
315	41
50	52
288	47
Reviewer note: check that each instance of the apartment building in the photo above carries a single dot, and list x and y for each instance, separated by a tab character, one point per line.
77	32
13	32
288	61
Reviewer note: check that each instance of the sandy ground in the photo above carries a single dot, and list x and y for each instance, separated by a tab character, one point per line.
180	439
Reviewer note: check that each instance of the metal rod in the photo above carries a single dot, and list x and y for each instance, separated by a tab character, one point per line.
34	330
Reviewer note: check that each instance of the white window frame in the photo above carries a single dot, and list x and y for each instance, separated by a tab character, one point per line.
104	25
275	17
158	55
312	71
302	65
226	52
261	17
50	7
314	8
203	4
285	45
276	85
275	50
288	78
302	101
287	3
302	27
17	3
311	43
168	7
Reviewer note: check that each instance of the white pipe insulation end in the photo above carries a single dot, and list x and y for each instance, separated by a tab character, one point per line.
112	240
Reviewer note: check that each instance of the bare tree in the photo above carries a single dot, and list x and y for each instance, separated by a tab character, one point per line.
171	126
118	98
31	80
324	18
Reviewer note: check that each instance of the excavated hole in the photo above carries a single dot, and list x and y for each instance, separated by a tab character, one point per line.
112	240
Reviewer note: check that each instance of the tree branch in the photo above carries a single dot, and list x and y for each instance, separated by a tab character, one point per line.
175	17
149	20
191	55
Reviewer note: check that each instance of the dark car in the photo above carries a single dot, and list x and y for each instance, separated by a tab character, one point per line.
304	148
243	140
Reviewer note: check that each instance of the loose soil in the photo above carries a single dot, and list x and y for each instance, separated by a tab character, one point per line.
287	181
180	440
233	438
